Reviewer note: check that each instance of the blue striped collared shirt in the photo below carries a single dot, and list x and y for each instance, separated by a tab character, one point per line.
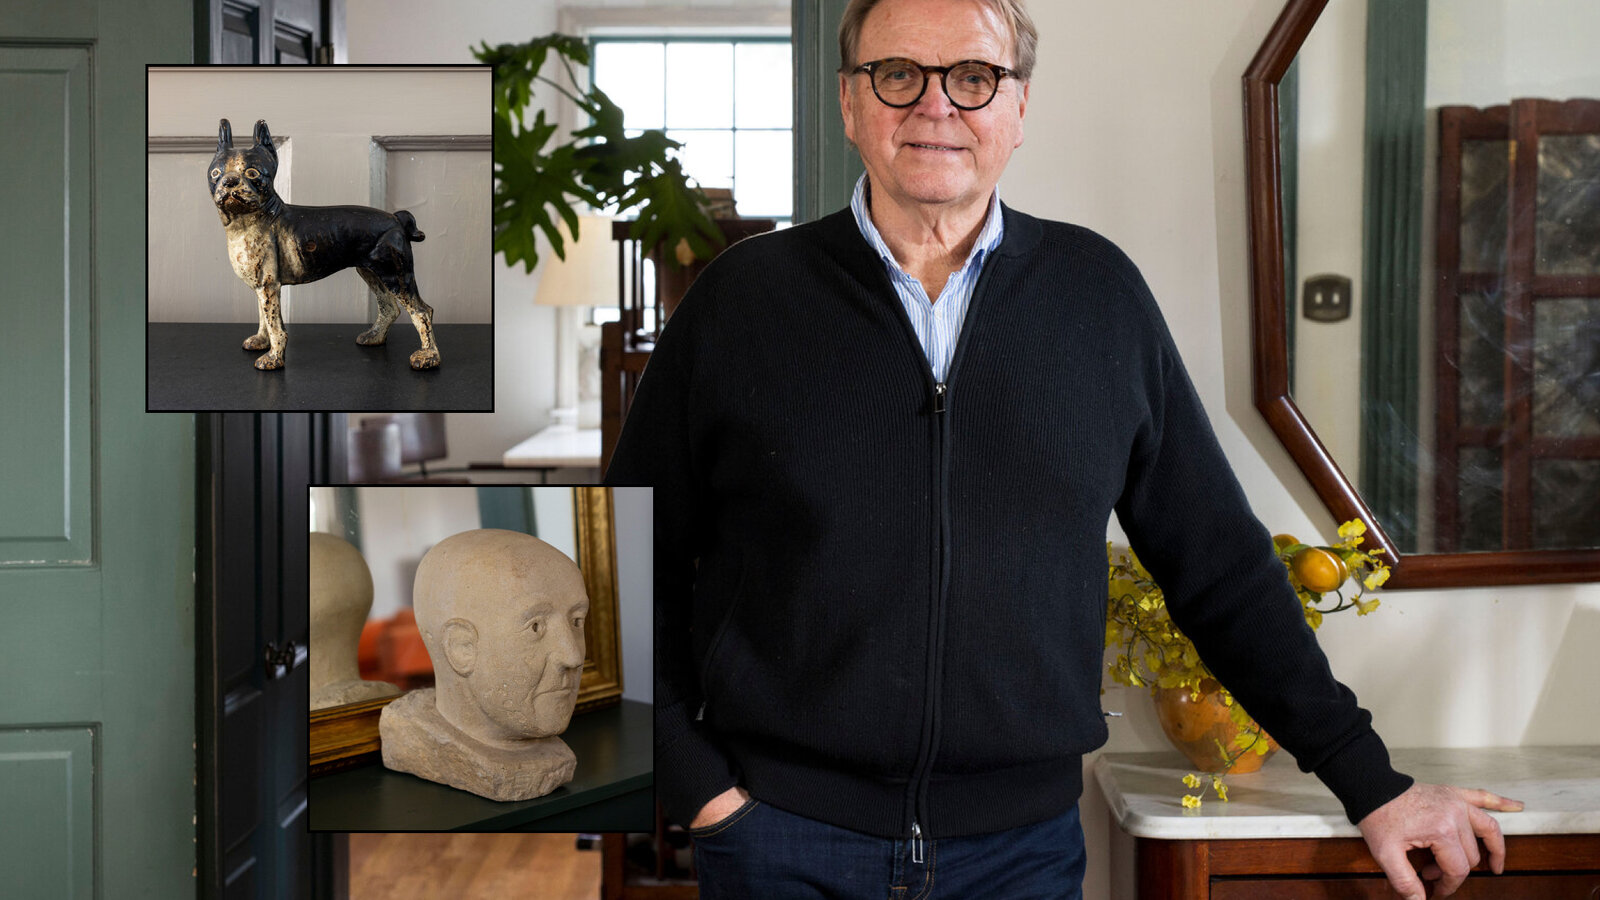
937	323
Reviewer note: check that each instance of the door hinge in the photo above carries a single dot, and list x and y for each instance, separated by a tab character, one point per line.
325	55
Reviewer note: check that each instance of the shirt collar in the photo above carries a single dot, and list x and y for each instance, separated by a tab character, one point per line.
988	237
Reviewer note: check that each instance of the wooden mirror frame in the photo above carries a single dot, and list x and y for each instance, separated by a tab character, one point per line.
1270	357
345	736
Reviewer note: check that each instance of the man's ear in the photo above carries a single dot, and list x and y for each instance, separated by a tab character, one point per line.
1022	110
461	646
846	108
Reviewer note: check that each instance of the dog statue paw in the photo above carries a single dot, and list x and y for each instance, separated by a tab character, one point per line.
272	243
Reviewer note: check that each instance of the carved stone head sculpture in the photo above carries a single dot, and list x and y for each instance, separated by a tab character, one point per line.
341	596
502	615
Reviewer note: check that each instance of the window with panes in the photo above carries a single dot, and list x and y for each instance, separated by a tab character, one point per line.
727	100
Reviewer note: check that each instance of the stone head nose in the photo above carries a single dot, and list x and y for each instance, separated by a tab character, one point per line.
569	652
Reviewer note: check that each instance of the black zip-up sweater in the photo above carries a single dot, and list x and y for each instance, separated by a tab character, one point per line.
880	601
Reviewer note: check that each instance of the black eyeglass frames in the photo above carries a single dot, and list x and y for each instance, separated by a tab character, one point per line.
970	84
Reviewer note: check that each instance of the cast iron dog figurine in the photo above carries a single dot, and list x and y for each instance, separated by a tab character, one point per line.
272	243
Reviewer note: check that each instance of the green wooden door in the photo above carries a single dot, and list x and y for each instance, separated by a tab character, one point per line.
96	496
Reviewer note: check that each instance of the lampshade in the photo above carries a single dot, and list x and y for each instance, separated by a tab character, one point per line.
588	275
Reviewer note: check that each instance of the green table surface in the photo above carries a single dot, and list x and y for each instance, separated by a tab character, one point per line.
615	757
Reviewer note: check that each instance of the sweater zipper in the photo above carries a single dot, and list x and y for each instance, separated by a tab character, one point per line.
930	734
916	788
941	581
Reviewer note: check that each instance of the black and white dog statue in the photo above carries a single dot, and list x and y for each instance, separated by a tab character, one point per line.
272	243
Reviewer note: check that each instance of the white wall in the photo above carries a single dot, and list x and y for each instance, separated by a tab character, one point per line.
1486	52
329	117
401	524
1135	127
635	588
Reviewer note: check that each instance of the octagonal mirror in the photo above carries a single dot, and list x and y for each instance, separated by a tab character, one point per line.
1425	240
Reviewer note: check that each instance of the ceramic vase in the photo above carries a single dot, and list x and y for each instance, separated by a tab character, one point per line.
1204	732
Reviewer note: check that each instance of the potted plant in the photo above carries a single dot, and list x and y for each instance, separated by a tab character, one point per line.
1197	713
538	184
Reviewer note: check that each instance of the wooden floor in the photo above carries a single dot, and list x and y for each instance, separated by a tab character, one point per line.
472	866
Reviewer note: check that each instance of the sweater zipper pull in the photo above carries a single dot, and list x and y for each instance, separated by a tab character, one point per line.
700	714
916	841
938	397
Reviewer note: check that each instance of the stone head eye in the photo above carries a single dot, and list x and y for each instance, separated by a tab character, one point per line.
252	173
216	173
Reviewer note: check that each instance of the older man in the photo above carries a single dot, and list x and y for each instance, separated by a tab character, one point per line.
885	447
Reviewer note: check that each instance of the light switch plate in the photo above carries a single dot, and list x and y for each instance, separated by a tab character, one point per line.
1326	298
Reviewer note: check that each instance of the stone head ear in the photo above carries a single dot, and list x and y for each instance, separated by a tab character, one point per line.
461	646
224	137
264	138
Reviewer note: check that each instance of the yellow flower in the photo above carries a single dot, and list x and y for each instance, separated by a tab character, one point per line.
1376	579
1365	606
1190	801
1352	529
1220	788
1191	780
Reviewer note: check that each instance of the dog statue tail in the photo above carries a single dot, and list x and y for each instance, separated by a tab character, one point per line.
408	222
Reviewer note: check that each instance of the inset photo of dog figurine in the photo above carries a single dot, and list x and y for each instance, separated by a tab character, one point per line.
280	257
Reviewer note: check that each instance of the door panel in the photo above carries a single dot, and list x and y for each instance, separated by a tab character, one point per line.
253	736
46	518
47	775
96	497
236	30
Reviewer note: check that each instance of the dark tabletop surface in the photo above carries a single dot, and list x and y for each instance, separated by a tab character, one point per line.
202	367
615	756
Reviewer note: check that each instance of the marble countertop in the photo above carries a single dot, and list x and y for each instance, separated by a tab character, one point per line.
1559	785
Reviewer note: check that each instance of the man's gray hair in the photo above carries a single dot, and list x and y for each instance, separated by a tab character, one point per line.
1024	36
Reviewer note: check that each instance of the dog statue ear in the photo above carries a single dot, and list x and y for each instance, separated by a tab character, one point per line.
264	138
224	136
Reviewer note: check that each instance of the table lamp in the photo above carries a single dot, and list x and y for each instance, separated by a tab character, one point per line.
587	276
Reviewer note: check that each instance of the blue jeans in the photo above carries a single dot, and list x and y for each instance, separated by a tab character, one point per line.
764	853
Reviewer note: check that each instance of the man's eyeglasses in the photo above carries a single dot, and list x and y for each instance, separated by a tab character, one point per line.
970	84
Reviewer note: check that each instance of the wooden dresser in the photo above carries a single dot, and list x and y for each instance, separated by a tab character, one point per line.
1284	836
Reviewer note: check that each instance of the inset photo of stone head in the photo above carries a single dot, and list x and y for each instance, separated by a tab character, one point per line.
480	658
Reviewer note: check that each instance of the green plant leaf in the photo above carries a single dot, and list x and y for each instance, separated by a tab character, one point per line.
535	186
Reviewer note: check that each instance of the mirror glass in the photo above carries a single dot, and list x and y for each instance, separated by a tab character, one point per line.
394	527
1441	217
